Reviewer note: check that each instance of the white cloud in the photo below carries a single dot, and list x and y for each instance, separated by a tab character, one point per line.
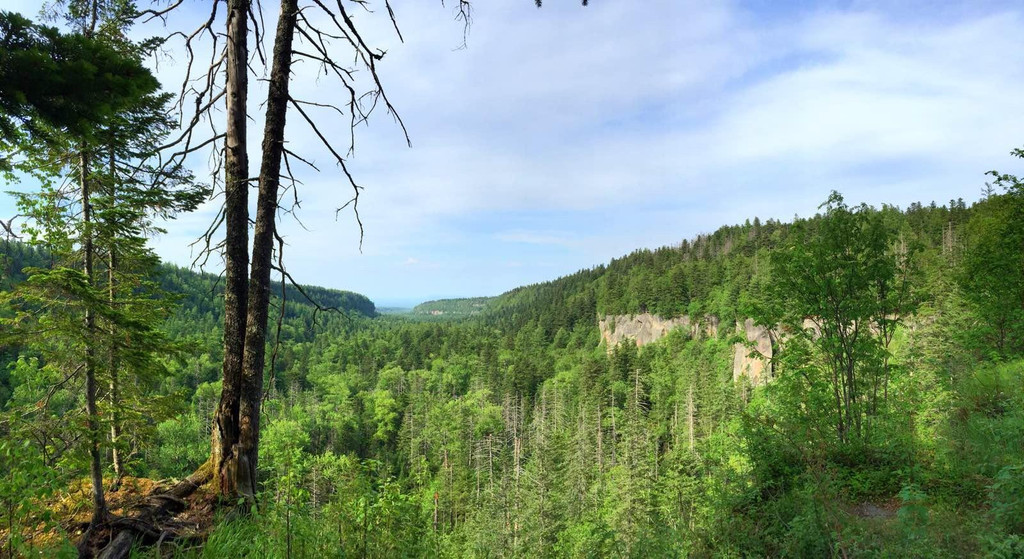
666	118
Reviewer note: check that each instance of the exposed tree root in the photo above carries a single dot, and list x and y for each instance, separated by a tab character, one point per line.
153	520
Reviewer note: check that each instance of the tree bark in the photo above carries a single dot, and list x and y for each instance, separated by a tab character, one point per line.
690	416
99	508
225	435
263	238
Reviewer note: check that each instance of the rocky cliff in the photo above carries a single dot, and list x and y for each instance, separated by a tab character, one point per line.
750	360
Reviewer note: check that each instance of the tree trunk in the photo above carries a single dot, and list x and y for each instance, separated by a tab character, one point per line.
115	425
99	508
600	446
675	425
490	463
225	435
99	503
690	416
615	435
263	238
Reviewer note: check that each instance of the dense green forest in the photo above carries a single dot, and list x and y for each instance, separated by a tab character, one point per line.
454	307
197	317
516	432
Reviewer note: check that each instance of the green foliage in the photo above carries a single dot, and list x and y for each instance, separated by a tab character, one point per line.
1007	498
993	270
913	512
453	307
516	432
56	83
25	488
179	447
842	289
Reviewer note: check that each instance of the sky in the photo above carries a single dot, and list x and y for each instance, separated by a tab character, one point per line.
559	138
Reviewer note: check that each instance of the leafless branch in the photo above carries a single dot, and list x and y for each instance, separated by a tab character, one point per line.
341	162
464	13
151	14
207	240
394	22
8	227
317	307
369	59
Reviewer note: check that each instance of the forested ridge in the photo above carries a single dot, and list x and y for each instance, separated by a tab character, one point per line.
516	432
457	307
193	306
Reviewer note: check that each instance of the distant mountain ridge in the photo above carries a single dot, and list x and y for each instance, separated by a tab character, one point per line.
197	309
468	306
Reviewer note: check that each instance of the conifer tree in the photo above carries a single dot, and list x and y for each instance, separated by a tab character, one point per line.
117	190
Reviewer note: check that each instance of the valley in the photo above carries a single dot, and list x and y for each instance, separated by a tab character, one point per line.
592	414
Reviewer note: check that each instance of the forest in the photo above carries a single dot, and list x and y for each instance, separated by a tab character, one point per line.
456	307
518	432
152	410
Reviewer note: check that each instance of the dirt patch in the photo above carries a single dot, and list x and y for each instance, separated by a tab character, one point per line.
882	510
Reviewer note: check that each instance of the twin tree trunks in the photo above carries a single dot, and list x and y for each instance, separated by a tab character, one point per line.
235	439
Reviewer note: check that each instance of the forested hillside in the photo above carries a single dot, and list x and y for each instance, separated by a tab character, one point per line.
454	307
515	432
194	310
721	274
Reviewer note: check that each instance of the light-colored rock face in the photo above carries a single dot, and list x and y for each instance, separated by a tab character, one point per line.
752	360
642	328
647	328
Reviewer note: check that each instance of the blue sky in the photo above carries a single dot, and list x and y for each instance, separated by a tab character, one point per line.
563	137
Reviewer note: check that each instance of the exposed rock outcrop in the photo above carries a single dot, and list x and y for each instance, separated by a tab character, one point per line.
750	360
642	328
646	328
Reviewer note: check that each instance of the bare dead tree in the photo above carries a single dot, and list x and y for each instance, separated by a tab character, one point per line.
264	237
247	285
8	227
227	461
